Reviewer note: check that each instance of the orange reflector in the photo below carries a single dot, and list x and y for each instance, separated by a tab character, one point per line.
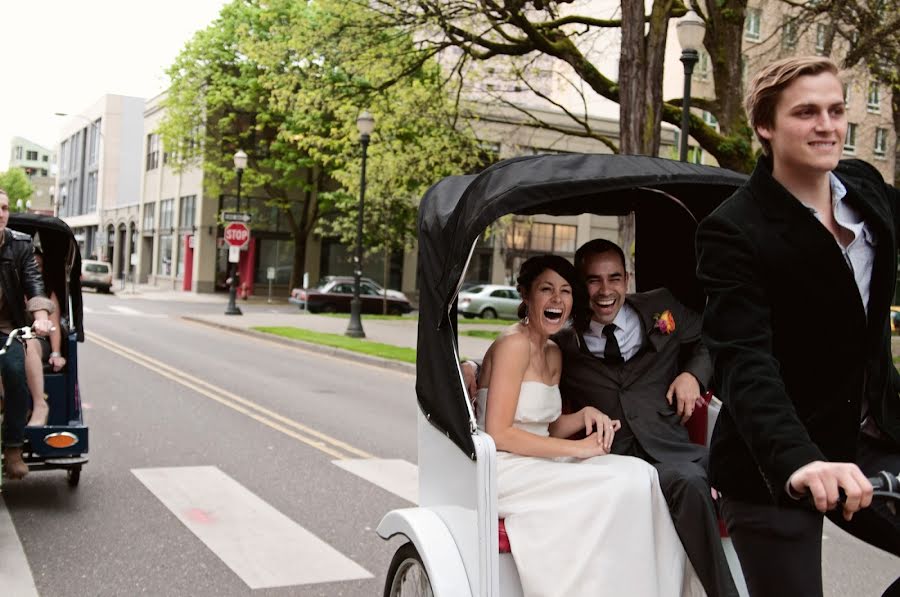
64	439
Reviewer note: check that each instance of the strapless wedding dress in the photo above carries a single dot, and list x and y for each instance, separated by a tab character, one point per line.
592	528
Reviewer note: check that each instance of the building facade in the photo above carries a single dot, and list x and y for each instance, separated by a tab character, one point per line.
39	164
99	169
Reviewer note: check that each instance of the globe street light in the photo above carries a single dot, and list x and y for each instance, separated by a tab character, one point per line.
240	163
365	124
691	30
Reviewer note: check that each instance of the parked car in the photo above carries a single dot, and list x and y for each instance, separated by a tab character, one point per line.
490	301
96	274
368	282
334	297
895	319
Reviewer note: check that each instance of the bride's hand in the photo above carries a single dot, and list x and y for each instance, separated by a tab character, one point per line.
590	447
606	428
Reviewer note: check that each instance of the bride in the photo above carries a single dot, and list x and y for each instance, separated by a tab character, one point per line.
580	520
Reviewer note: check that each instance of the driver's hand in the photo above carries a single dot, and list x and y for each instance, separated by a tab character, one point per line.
822	480
42	327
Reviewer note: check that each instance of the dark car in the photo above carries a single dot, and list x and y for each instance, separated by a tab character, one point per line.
335	294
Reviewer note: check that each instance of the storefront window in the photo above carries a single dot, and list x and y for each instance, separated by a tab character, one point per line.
278	254
164	264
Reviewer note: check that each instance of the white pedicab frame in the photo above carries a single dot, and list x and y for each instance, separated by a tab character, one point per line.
452	545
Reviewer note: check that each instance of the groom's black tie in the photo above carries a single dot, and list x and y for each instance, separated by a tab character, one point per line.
612	353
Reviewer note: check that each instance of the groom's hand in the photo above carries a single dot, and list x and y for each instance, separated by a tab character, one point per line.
686	392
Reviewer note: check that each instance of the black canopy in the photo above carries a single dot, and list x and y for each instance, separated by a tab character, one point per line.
667	197
62	263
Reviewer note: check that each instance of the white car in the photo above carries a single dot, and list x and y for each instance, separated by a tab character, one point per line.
490	301
96	274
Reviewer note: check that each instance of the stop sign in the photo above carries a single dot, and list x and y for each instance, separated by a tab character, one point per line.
237	234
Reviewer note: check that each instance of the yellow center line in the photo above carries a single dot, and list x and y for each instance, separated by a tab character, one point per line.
319	440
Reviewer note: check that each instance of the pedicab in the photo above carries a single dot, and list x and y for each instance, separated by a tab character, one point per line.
454	544
63	442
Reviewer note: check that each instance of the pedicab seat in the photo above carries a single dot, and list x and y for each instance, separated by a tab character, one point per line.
698	432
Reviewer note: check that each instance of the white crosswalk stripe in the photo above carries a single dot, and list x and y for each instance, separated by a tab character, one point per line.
261	545
120	310
125	310
15	575
396	476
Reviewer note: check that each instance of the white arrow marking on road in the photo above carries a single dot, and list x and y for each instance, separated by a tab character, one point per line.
15	575
397	476
261	545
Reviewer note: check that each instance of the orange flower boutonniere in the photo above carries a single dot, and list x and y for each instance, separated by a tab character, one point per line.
664	322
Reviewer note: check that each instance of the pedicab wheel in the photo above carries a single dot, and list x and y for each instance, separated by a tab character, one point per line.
73	476
406	575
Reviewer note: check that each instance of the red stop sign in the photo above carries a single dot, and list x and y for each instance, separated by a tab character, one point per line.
237	234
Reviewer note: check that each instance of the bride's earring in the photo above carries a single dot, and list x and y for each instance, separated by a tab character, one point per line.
525	320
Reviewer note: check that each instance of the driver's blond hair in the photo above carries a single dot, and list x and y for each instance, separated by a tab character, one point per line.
766	87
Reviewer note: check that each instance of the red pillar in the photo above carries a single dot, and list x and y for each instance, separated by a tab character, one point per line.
247	269
188	277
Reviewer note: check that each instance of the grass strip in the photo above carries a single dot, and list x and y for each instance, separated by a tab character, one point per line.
486	334
372	317
385	351
479	321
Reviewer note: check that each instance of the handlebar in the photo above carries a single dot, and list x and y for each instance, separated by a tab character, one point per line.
886	485
20	334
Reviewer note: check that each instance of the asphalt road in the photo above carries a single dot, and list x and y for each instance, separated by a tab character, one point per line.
162	395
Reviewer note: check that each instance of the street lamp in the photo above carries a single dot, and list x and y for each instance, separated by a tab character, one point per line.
691	30
240	163
365	124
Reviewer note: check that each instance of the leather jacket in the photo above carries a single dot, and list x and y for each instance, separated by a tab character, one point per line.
20	277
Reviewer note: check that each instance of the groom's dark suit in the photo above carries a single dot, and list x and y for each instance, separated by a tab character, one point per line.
635	393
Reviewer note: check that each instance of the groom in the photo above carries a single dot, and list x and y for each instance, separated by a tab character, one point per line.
641	362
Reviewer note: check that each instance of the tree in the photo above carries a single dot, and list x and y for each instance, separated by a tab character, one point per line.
17	186
279	81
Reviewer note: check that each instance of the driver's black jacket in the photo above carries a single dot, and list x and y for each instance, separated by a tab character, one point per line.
20	278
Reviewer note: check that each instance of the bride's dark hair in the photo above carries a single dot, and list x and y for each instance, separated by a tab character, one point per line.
535	266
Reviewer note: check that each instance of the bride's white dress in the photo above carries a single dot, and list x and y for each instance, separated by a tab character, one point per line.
594	527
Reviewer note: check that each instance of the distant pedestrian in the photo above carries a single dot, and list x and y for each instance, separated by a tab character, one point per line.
799	267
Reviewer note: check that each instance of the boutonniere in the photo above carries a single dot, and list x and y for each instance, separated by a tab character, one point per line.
664	322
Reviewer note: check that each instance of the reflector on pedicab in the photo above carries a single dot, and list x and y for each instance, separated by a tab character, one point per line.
62	439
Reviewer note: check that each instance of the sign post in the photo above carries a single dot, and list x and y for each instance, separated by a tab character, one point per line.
270	275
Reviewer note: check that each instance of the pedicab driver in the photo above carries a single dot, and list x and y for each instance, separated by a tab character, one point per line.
799	267
19	280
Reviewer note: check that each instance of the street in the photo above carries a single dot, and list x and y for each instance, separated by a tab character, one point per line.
222	464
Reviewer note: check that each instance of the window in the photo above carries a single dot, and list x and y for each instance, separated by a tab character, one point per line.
846	94
63	148
18	152
31	156
148	216
695	155
709	119
821	37
164	263
873	101
881	142
188	211
43	172
45	158
152	151
94	142
751	24
166	212
789	33
702	69
91	191
850	140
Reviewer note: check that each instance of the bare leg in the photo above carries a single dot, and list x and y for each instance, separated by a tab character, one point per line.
34	375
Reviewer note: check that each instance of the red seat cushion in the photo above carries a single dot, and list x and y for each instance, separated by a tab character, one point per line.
504	538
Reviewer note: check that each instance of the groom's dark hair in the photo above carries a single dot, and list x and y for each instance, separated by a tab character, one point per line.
596	247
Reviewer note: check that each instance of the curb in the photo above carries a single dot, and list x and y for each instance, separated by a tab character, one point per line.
347	355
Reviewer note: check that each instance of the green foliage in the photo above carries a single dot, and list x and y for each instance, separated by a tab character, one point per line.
283	81
17	186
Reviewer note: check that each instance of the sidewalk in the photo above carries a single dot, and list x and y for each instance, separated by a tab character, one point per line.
156	293
396	333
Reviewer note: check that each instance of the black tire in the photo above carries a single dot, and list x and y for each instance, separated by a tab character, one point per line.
329	308
489	314
395	310
407	565
469	315
73	476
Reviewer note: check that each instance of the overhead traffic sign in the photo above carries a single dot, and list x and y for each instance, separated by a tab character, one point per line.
237	234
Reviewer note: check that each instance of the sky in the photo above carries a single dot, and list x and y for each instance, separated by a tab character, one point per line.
63	55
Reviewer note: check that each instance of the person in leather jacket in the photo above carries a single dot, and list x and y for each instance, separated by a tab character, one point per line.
21	289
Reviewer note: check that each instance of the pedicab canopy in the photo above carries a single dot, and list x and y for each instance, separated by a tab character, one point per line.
62	263
667	198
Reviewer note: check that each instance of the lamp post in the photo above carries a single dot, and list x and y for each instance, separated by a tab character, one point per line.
240	163
691	30
365	124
